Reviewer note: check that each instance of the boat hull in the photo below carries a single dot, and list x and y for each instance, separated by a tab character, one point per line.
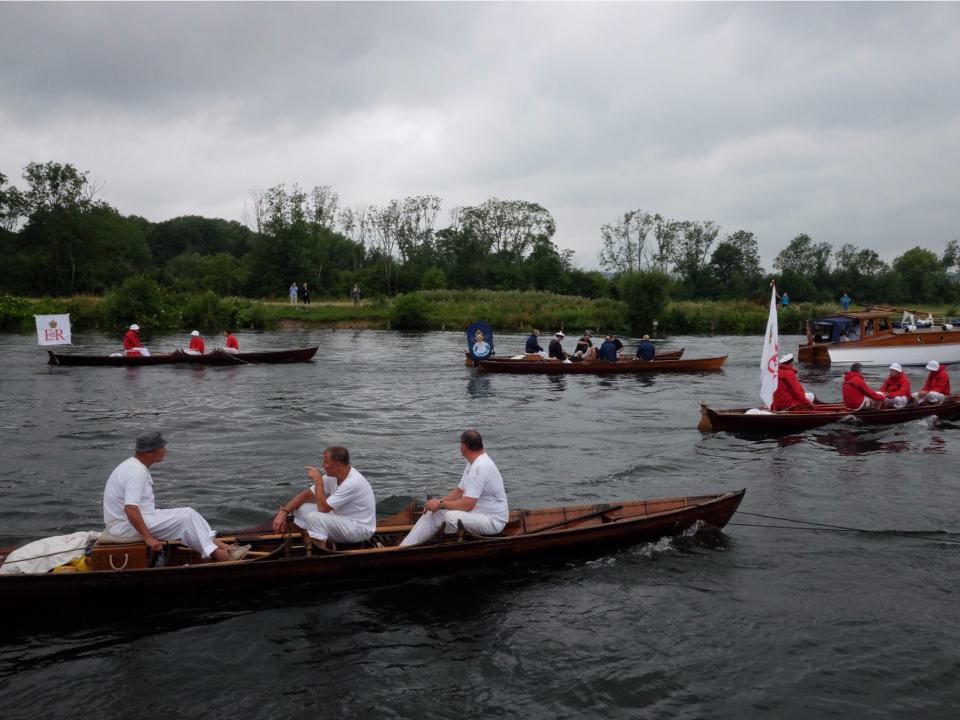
671	355
907	348
213	358
599	367
591	529
792	421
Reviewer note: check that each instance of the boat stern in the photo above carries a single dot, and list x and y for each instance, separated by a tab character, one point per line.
705	425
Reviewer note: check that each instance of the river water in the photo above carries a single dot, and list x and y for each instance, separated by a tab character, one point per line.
753	623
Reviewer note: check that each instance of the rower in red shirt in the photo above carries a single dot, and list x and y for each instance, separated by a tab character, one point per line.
131	342
789	390
857	395
937	387
896	387
233	346
196	343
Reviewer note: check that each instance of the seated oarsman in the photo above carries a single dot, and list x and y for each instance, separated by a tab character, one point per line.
533	346
585	346
130	511
937	387
555	348
232	346
132	344
647	350
617	343
196	344
479	502
339	506
896	388
789	390
608	350
857	395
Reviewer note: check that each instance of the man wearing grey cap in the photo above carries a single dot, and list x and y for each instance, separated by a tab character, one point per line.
129	509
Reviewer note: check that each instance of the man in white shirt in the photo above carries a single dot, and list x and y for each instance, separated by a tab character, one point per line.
479	501
129	508
339	506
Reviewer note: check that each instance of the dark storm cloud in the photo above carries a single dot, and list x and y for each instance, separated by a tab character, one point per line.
835	120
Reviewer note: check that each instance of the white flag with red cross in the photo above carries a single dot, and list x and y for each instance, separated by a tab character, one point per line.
769	361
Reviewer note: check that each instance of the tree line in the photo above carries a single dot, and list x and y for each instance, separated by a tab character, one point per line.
59	238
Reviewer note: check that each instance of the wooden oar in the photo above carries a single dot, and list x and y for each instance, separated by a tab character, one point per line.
576	519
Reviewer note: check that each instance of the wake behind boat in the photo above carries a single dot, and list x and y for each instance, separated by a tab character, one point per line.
179	357
289	558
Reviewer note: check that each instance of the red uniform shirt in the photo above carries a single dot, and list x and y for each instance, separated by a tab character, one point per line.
938	381
232	342
855	389
896	386
196	343
131	341
789	390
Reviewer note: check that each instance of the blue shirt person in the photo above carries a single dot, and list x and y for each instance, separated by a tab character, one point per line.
845	300
647	349
532	345
608	351
784	301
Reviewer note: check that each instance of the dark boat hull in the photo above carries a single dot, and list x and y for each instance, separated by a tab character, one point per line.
181	358
791	421
671	355
606	527
600	367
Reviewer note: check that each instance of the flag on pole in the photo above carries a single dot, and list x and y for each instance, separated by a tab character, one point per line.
769	361
53	329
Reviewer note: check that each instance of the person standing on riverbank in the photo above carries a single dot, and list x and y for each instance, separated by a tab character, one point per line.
306	294
293	294
845	301
355	293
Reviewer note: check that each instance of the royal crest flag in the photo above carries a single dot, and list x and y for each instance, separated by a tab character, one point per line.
53	329
480	340
770	360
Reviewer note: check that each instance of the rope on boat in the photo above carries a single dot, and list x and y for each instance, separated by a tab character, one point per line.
823	527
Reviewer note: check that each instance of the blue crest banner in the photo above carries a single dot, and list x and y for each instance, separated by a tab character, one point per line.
480	340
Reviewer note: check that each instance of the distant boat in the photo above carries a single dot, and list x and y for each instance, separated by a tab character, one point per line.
217	357
630	366
873	341
800	418
671	355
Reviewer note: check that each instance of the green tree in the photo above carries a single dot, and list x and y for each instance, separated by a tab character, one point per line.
646	293
922	274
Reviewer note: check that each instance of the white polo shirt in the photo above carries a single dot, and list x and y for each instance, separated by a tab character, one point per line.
129	484
483	481
353	498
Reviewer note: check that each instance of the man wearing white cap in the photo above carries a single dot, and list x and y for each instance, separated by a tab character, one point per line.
555	349
131	342
896	387
789	390
130	510
937	387
196	344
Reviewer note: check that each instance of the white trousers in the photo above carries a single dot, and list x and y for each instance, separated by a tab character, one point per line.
141	350
473	522
232	351
293	299
868	403
193	352
932	397
896	402
328	525
183	524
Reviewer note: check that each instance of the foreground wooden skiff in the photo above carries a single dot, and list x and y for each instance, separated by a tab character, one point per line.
798	419
600	367
541	534
216	357
672	355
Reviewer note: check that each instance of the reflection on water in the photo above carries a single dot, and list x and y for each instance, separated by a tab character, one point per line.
860	442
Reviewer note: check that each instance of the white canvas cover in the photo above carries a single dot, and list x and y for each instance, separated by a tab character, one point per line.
44	555
53	329
769	360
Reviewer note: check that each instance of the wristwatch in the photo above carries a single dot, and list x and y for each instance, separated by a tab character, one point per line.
440	506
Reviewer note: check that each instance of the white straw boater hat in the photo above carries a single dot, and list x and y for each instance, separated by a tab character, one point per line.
933	366
559	333
134	327
786	358
896	366
196	332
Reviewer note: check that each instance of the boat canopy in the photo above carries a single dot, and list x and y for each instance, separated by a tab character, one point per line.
834	325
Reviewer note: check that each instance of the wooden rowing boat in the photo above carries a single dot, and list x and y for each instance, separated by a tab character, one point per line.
798	419
600	367
671	355
217	357
540	534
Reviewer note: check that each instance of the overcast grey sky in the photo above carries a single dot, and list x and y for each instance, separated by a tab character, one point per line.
840	121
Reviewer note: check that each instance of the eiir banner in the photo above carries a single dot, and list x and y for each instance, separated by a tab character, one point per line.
53	329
